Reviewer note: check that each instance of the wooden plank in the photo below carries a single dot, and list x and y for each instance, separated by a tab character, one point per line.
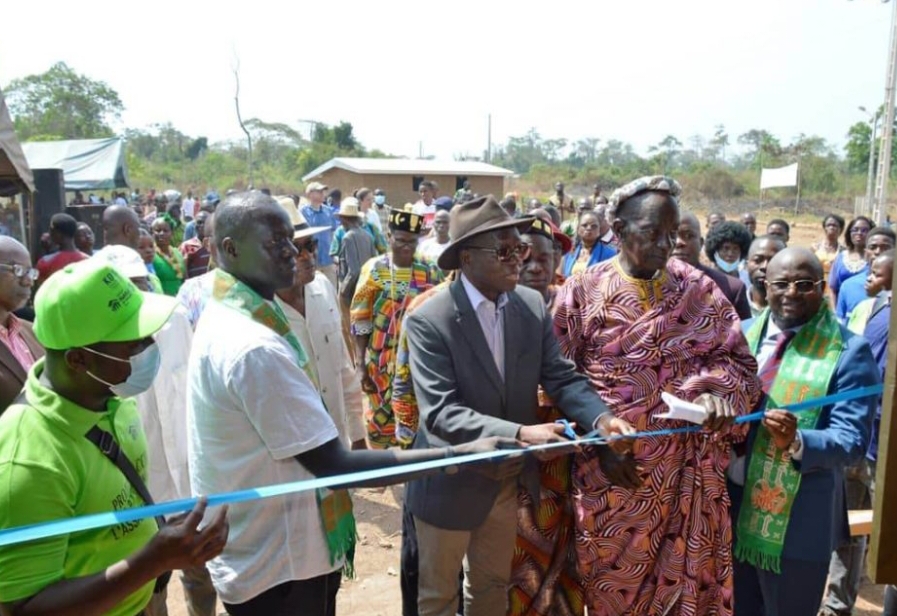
883	545
860	522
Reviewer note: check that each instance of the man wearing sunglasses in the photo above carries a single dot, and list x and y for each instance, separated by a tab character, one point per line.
788	502
311	307
478	352
19	349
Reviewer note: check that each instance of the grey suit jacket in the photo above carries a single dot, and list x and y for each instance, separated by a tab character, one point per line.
462	396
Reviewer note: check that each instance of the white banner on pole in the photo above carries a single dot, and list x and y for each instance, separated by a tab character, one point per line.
783	176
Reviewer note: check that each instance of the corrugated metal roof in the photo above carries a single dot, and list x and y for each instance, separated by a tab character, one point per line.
405	166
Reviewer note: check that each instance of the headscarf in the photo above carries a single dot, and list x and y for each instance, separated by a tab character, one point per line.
653	183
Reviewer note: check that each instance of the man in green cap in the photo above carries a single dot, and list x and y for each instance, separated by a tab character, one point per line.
58	445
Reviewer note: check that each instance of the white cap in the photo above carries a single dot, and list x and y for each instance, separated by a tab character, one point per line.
124	259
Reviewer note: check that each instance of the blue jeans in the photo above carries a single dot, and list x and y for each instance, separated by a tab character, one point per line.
849	559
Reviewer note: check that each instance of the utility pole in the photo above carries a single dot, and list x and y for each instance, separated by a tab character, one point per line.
870	176
489	140
887	132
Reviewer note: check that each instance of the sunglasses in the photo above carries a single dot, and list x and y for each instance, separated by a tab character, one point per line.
801	286
310	246
506	254
21	271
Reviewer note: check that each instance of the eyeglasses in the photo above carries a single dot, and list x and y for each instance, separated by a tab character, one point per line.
859	230
801	286
309	246
506	254
21	271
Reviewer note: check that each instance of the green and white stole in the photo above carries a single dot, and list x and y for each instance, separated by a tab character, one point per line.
772	481
334	506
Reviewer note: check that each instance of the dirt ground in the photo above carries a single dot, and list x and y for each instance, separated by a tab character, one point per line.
376	592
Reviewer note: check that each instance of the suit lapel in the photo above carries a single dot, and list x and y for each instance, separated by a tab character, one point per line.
472	331
514	338
11	363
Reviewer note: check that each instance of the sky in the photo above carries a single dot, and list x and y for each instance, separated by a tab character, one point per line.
424	75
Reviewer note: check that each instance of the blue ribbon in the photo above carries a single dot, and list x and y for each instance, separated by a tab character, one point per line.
67	526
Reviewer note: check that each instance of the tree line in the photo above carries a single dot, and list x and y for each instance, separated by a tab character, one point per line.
62	104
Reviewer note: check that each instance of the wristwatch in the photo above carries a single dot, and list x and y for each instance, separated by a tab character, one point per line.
794	447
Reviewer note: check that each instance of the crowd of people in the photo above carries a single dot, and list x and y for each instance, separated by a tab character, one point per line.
213	345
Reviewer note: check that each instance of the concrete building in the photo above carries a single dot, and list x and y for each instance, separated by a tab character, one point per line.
400	177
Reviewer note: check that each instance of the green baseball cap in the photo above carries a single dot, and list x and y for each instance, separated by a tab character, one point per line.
89	302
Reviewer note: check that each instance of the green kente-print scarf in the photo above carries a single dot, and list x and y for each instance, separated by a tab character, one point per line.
335	506
772	481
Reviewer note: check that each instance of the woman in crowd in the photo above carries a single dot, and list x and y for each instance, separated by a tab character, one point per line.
84	238
852	260
168	262
639	325
588	250
829	248
727	246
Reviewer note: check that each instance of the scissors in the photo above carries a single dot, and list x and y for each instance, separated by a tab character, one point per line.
568	429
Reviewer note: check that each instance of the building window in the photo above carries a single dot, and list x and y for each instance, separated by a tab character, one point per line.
415	182
459	181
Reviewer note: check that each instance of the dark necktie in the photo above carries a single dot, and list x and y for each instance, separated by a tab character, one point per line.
768	374
771	368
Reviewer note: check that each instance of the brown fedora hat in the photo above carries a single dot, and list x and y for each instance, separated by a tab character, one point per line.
472	218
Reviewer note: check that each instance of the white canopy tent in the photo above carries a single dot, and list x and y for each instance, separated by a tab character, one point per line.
87	164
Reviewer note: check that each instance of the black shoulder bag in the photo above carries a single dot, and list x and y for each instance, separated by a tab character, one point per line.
105	442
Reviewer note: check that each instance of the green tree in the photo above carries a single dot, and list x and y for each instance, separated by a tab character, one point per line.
666	152
765	147
719	142
61	104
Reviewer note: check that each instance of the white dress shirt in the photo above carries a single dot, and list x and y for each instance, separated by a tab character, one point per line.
737	470
491	316
321	335
163	412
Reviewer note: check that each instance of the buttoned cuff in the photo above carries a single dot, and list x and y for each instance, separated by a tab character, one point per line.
797	447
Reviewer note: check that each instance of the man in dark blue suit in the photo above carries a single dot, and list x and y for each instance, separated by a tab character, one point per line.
787	491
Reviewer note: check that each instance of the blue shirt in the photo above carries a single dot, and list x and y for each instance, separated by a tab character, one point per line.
853	291
876	333
321	218
190	230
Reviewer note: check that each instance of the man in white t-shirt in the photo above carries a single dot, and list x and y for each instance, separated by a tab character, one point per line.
255	418
188	207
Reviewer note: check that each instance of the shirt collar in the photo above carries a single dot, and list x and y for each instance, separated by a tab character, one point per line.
72	418
476	298
608	237
12	325
773	330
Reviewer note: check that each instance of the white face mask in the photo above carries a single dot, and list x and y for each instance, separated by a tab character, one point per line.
725	265
144	368
379	199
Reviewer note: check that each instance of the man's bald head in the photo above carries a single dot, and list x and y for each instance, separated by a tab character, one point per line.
795	257
12	250
688	218
121	226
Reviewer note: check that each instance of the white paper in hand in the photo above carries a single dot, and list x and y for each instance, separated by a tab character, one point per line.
680	409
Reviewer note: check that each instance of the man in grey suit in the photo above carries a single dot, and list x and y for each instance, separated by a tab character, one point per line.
478	352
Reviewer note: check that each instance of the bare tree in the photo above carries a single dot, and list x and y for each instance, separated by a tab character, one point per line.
236	69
